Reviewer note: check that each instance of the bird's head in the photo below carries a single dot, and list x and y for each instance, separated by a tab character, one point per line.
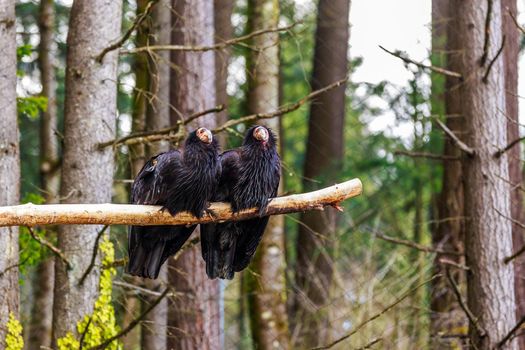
260	135
204	135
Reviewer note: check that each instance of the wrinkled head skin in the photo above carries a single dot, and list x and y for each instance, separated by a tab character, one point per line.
201	137
262	135
204	135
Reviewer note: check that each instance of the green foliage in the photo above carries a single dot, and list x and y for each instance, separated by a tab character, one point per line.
14	339
102	324
31	252
31	106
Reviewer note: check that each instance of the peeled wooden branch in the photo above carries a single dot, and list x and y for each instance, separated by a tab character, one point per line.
147	215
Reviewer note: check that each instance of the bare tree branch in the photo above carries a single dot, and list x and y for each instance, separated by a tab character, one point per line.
508	147
377	315
145	215
93	256
425	155
157	135
132	324
487	72
515	20
138	21
473	319
462	146
218	46
511	333
49	246
415	245
435	69
486	41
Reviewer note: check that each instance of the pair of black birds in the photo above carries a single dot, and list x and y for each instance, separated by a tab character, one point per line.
188	179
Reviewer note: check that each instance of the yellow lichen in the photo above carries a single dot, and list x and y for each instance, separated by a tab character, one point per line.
13	339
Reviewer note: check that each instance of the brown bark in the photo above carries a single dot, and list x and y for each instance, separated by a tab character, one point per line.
510	57
447	317
324	154
194	317
42	310
154	328
9	165
87	173
490	282
223	10
267	286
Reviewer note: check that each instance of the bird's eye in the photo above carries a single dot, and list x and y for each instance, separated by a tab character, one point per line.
204	135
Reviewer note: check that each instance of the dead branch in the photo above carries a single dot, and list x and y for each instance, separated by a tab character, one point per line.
138	21
500	50
473	320
486	41
370	343
377	315
415	245
511	332
435	69
508	147
218	46
49	246
13	266
93	256
515	255
462	146
425	155
132	324
158	135
147	215
515	20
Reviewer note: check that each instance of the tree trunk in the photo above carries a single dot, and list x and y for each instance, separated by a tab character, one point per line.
87	173
154	329
42	310
324	154
490	282
267	286
9	165
447	317
510	57
223	10
194	317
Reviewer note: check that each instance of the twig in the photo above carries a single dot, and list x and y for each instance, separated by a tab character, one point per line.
51	247
415	245
462	146
426	155
486	41
144	215
10	267
370	344
445	261
423	66
377	315
218	46
515	20
487	72
93	256
132	324
138	21
151	136
515	255
283	109
473	320
83	336
508	147
511	332
190	244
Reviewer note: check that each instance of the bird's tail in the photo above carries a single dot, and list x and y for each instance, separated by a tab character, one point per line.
218	249
145	259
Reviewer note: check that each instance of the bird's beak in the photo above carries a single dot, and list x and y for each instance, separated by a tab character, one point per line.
205	135
260	133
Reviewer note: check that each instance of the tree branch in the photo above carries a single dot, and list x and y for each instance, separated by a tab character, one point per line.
93	256
508	147
377	315
435	69
486	41
415	245
511	333
487	72
49	246
462	146
515	20
132	324
146	215
470	315
218	46
125	37
158	135
425	155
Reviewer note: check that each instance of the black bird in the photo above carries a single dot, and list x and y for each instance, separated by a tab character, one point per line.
179	180
250	177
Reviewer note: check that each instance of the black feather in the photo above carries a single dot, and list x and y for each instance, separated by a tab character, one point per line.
250	177
178	180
